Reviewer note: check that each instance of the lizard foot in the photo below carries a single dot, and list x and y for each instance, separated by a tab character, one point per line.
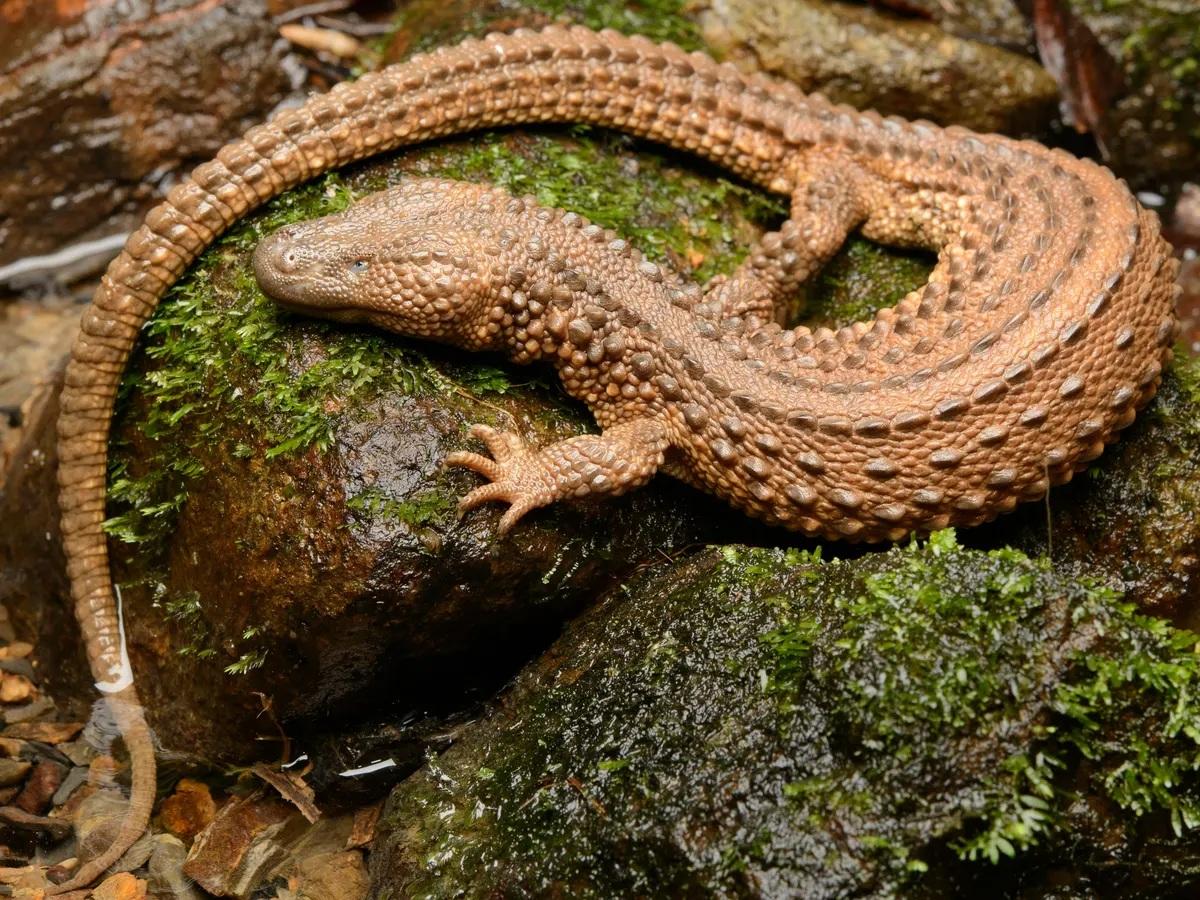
518	477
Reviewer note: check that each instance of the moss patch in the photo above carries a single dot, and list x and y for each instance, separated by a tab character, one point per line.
762	722
424	24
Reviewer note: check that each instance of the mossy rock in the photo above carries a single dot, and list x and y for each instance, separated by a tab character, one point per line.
762	723
283	527
1148	120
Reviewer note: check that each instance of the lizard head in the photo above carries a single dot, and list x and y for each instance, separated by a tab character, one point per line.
396	260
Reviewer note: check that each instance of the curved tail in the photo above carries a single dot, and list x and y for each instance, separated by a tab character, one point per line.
657	91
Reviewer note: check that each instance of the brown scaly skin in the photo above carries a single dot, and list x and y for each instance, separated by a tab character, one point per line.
1044	327
855	439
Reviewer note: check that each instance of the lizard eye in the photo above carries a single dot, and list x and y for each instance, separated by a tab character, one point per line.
359	265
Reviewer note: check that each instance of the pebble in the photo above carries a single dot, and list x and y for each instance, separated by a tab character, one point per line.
76	777
15	688
13	771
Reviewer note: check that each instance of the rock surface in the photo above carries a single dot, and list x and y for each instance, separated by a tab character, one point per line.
760	723
1129	75
873	61
293	570
101	103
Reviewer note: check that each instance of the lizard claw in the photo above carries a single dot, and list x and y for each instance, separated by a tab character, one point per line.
517	476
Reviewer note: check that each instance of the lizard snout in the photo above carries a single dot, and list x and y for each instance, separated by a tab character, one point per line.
279	264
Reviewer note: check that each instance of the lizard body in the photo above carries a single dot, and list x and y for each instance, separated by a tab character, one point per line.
1044	326
967	398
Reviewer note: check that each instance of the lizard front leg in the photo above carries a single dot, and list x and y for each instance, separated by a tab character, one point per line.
827	203
622	457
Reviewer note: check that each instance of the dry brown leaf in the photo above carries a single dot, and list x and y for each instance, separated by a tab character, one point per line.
293	788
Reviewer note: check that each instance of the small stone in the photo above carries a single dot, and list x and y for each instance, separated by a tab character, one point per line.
121	886
36	708
15	688
362	832
13	771
19	827
46	732
16	650
330	876
189	810
11	747
18	667
233	855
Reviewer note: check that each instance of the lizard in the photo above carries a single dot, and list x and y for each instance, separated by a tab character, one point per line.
1043	328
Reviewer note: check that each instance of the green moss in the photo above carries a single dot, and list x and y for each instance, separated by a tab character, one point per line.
422	25
417	511
862	279
659	20
673	209
951	644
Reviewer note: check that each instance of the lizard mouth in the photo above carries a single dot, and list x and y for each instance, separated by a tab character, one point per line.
283	270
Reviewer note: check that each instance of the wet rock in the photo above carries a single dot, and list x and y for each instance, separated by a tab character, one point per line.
166	878
1129	76
858	56
762	723
189	810
101	103
243	845
41	787
359	765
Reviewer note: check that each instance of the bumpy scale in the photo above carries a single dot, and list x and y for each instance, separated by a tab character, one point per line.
1043	328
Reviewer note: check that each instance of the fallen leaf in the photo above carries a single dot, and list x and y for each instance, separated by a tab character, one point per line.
1089	79
293	787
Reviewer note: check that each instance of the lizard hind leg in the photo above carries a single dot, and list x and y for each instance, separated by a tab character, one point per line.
827	203
622	457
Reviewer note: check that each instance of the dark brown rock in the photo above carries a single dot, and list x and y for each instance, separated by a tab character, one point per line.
241	846
102	102
40	787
